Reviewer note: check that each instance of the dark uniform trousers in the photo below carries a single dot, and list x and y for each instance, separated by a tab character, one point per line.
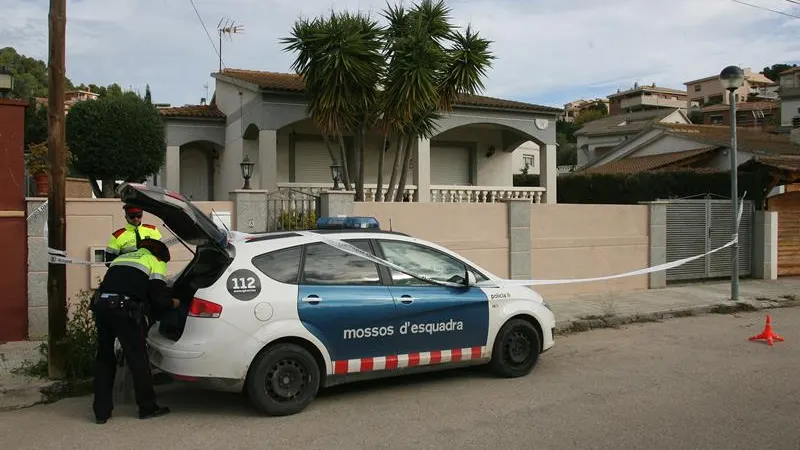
120	322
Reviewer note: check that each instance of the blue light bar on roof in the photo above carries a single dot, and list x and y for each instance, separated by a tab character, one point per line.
339	223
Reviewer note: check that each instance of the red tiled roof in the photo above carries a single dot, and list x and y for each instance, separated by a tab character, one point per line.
193	111
755	141
290	82
651	162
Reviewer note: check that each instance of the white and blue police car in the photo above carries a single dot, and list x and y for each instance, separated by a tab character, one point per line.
280	315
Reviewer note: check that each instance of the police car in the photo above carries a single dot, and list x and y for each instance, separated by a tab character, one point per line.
280	315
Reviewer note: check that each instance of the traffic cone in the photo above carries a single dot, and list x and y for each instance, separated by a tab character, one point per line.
767	335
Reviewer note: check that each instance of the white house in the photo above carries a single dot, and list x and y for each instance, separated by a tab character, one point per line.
663	146
601	137
263	115
790	97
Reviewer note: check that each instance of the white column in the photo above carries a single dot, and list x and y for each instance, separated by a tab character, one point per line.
548	172
268	159
422	169
172	169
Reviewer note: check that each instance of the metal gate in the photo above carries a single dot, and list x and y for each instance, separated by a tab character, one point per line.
289	209
696	226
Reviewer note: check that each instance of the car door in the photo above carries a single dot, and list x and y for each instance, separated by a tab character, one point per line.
344	302
431	317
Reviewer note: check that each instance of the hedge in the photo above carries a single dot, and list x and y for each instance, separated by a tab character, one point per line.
649	186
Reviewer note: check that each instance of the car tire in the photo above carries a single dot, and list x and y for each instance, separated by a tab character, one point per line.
516	349
284	381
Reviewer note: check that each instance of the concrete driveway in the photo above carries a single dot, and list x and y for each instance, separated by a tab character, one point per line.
688	383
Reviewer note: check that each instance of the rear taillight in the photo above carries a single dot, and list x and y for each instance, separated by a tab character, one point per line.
204	308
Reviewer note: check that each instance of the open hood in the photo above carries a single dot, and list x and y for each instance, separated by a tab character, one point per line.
179	214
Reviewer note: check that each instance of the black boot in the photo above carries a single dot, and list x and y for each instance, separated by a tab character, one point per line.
159	411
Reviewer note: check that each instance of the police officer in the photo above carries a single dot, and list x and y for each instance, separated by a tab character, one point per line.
126	238
134	283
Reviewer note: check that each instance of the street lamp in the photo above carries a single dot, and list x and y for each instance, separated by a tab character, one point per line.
6	81
731	79
247	171
336	174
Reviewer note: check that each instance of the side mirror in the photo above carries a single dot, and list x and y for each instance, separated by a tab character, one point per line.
471	280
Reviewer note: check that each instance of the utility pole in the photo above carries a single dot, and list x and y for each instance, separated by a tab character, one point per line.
56	204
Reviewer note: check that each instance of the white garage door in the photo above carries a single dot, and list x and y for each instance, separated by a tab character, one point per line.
312	163
449	165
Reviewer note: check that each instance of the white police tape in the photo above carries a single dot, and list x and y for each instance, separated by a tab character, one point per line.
349	248
55	256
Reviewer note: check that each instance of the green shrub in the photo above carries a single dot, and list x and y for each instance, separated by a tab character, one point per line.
80	344
293	220
650	186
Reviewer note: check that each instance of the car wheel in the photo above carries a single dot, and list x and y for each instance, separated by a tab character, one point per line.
516	349
285	380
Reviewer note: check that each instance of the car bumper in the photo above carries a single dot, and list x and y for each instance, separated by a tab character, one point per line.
211	349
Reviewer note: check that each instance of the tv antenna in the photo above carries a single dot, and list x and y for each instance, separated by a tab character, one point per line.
228	28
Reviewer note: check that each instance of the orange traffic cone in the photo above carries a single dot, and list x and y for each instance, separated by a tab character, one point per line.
768	335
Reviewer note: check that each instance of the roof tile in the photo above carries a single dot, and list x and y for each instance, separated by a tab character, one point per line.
646	163
750	140
290	82
209	111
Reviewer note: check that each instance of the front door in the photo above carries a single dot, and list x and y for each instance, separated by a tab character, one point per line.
447	321
342	301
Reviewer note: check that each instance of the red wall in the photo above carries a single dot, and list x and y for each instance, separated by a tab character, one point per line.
13	228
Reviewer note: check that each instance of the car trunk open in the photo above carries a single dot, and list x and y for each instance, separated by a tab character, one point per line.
212	255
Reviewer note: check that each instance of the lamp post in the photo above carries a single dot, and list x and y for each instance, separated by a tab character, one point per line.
6	82
247	171
336	174
732	78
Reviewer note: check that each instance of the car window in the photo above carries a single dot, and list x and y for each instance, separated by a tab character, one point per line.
280	265
424	261
327	265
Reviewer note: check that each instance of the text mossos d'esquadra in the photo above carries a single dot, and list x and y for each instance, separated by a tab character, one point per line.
406	328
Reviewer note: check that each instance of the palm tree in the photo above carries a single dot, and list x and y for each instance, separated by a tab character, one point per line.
340	61
424	77
400	79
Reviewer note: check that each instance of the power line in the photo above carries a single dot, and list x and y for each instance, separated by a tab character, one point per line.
206	30
767	9
793	1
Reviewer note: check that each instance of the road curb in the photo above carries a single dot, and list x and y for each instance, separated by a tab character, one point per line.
13	398
614	320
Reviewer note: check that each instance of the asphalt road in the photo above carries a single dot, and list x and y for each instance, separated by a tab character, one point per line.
687	383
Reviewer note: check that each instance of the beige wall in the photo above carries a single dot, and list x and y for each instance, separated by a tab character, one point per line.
479	232
567	241
78	188
585	241
91	222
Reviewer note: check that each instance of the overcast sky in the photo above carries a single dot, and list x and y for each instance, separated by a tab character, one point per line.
548	51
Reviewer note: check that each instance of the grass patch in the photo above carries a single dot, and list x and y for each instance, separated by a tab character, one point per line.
80	344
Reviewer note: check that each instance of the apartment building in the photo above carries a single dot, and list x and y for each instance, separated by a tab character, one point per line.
790	97
709	90
574	108
750	114
645	98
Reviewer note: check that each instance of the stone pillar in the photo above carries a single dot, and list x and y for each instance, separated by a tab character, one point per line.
336	203
172	169
249	210
765	245
268	159
658	242
422	170
37	265
519	235
548	172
